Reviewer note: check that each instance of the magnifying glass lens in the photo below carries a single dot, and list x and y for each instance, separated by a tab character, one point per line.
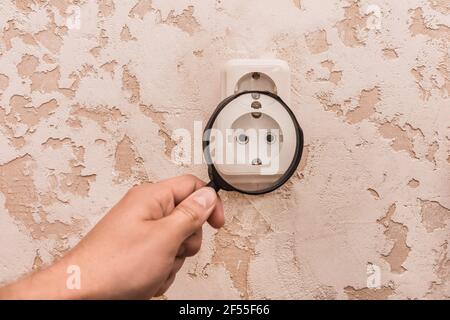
253	143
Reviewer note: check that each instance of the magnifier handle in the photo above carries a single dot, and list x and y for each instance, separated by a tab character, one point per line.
213	185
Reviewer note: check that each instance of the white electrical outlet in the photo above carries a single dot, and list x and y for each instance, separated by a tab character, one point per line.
253	140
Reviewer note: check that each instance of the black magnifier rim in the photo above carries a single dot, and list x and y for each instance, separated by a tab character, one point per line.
212	171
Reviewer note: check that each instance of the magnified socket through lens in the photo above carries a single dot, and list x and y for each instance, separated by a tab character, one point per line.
252	146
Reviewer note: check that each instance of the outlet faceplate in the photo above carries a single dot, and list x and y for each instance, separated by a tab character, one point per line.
271	75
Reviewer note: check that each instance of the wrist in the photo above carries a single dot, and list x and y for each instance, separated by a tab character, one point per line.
49	283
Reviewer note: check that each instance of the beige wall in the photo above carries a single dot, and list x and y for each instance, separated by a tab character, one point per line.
87	112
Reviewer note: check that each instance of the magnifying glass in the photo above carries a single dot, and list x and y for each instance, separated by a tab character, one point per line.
252	143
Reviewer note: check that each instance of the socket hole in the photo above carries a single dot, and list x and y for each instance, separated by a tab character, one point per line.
256	75
256	115
256	105
256	162
270	138
242	138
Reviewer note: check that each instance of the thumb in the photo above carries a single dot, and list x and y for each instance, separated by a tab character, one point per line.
192	213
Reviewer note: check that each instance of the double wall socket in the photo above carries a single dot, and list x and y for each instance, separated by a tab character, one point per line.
252	113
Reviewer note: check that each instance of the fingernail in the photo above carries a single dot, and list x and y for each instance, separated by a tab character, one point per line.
205	197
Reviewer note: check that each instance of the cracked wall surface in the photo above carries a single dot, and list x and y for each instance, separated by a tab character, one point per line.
91	93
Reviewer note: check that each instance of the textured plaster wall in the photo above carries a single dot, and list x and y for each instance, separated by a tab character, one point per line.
88	107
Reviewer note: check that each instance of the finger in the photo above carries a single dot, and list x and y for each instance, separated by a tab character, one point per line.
217	217
189	245
181	251
192	244
168	193
190	214
166	285
177	265
183	186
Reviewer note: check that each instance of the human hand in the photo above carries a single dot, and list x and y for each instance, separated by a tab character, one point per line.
135	251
